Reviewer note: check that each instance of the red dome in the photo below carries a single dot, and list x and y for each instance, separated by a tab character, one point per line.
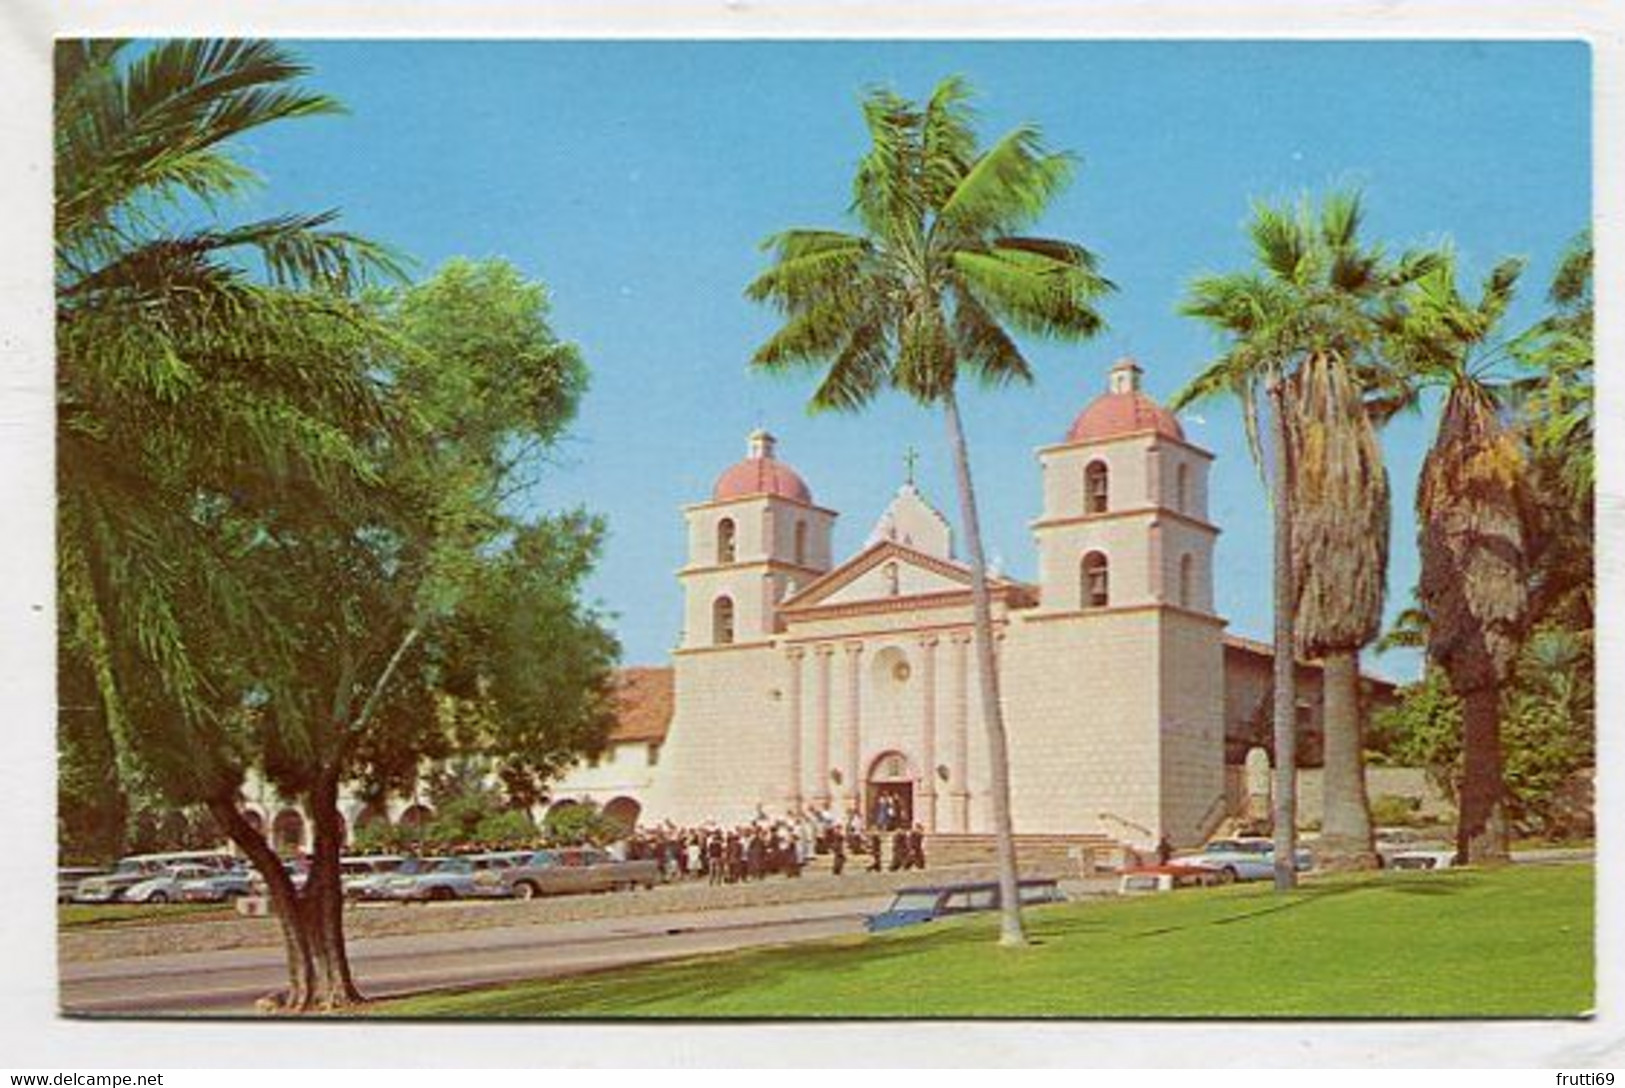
1123	410
1115	414
761	474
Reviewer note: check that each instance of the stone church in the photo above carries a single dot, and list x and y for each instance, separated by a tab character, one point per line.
803	681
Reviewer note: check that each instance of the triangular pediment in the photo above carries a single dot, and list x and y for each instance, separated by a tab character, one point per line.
883	571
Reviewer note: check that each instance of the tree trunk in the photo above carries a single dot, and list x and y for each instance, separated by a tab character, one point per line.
284	904
1481	834
1345	830
1011	932
322	906
1285	664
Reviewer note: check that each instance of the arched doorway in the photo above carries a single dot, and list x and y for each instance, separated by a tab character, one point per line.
372	815
288	832
889	792
624	811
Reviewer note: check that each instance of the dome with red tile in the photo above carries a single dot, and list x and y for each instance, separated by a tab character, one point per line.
761	473
1123	410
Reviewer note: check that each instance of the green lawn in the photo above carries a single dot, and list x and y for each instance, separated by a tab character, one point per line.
82	915
1511	942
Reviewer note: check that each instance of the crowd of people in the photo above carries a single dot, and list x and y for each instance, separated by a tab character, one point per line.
781	846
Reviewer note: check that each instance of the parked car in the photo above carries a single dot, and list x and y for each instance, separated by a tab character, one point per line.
478	876
1422	859
915	906
1244	859
354	870
298	870
111	887
575	869
217	887
375	885
165	887
68	880
1167	878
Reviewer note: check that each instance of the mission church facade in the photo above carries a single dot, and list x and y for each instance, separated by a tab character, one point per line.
802	682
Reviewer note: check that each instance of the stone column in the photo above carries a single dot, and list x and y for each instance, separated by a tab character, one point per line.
927	814
793	794
849	770
959	768
821	796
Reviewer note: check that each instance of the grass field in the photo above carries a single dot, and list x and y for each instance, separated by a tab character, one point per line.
83	915
1510	942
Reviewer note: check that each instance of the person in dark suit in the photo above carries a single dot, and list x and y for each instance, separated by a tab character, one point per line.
899	850
873	845
1165	850
837	853
916	847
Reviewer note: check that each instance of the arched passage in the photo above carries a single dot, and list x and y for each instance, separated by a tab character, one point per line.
372	814
624	811
1096	488
288	832
889	792
1096	579
722	621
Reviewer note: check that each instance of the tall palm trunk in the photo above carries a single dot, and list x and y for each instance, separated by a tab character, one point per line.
1345	831
1011	932
1286	680
1481	831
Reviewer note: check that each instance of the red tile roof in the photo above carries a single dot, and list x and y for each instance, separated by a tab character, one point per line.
1113	415
644	702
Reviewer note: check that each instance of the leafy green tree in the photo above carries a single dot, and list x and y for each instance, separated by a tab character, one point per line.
1547	735
581	824
436	620
922	296
1303	329
283	504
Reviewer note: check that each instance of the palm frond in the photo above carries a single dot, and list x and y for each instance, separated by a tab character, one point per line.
1007	188
858	374
1034	292
947	140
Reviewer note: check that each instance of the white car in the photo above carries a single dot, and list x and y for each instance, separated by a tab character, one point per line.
166	887
1422	859
1248	858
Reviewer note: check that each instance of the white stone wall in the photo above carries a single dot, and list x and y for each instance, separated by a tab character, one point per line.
876	584
623	770
1179	539
726	752
1191	660
1080	699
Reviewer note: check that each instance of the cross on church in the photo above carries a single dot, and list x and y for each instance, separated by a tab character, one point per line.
909	459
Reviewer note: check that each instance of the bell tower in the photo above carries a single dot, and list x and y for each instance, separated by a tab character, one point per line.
1124	522
757	541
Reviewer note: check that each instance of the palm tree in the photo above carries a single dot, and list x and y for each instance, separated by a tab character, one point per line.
1472	505
923	295
1302	330
1557	405
204	372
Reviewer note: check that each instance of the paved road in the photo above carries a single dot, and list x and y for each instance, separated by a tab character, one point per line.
227	983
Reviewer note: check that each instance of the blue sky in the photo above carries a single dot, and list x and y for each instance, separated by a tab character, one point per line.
637	179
